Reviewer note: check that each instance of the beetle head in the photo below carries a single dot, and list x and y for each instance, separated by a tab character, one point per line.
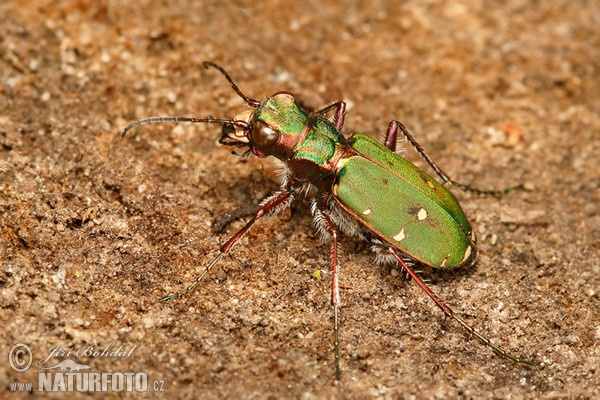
272	127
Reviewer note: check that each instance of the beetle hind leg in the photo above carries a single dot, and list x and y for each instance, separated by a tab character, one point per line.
448	312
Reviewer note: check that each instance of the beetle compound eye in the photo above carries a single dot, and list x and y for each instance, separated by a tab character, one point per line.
357	186
262	135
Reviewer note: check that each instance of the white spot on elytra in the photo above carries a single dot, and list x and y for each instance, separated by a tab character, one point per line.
367	211
430	184
467	253
400	236
422	214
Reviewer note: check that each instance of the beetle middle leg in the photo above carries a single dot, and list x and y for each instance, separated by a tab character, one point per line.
390	143
335	291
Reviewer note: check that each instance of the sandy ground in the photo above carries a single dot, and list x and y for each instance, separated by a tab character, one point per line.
96	229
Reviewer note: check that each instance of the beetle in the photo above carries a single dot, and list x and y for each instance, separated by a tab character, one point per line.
357	186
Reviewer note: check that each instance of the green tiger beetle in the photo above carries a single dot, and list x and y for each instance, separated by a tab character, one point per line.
357	186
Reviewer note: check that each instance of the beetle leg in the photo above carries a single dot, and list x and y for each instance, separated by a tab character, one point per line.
391	136
335	292
390	142
340	113
450	313
270	205
227	218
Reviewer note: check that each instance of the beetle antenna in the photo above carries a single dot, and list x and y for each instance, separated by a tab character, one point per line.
251	102
208	120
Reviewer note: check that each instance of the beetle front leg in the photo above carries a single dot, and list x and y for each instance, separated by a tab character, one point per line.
340	114
390	143
270	205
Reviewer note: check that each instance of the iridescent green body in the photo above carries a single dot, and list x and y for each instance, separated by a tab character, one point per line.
403	205
391	197
357	185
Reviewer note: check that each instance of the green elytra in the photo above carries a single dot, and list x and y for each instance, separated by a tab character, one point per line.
357	185
394	199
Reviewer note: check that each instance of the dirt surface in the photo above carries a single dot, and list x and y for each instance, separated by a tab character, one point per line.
96	229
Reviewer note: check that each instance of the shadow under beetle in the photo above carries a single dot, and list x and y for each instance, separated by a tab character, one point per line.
357	186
